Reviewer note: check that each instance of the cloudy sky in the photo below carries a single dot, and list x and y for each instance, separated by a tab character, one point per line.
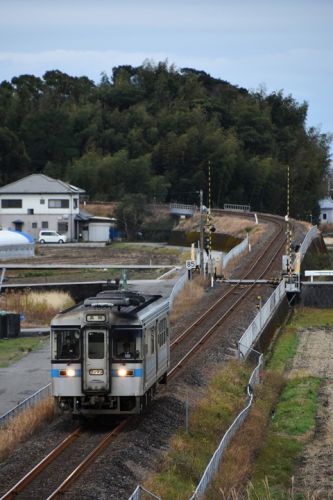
276	44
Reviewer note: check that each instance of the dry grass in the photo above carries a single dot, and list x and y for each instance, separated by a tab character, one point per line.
238	459
227	224
187	298
101	209
24	425
38	308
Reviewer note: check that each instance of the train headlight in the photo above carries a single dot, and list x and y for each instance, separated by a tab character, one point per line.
69	372
122	372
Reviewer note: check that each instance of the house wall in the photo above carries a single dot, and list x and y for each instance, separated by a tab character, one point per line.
36	210
329	216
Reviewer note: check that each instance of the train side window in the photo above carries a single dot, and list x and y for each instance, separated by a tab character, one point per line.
152	341
96	345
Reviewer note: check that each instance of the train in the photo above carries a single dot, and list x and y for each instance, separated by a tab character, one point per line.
110	353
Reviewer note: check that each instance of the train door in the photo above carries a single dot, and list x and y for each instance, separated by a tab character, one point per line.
96	361
151	358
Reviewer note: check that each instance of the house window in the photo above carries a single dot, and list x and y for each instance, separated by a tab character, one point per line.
75	202
11	203
42	201
45	224
34	225
30	211
324	216
58	203
62	227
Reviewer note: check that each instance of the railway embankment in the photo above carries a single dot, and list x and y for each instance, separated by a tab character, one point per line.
285	445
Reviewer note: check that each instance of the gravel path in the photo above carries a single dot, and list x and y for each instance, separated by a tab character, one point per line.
315	357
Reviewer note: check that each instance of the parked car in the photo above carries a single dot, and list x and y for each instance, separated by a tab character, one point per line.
51	237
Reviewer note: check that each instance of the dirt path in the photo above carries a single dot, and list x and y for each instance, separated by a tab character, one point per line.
315	357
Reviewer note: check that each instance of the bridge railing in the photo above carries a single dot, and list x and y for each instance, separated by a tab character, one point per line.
237	208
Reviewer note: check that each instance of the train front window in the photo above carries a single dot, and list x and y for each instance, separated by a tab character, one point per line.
96	345
67	344
126	343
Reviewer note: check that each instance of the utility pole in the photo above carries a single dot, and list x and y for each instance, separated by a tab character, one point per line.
202	264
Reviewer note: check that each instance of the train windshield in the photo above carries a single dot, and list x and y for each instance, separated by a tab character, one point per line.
67	344
96	345
126	343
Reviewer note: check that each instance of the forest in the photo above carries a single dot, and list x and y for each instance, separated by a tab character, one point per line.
152	131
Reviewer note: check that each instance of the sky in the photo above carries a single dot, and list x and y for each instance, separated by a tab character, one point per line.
259	44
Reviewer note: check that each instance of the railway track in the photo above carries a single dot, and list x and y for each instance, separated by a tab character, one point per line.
26	487
216	314
205	325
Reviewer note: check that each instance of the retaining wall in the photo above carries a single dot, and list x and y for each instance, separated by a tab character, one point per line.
317	295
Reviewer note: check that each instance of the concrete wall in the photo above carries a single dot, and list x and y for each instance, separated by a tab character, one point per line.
317	295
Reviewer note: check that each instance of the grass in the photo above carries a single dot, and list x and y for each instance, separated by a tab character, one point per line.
24	425
267	446
293	421
38	308
190	452
12	350
191	294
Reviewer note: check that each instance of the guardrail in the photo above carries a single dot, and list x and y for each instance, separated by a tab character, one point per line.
323	272
253	332
26	403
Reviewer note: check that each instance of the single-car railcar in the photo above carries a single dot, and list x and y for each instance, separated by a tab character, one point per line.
109	353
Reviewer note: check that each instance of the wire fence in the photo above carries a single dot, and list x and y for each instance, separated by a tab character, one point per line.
215	461
235	251
255	329
26	403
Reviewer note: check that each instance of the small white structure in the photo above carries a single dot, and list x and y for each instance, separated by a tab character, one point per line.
326	211
15	244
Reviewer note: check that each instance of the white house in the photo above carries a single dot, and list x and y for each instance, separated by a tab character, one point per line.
326	211
39	202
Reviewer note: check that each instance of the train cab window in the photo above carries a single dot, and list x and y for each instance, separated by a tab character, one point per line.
126	344
66	344
96	345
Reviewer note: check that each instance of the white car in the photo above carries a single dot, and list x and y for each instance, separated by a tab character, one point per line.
51	237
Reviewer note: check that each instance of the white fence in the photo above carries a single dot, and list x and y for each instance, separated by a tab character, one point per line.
237	208
323	273
179	285
26	403
253	332
235	251
310	236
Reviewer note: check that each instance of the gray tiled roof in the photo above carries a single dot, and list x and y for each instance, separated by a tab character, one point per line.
40	184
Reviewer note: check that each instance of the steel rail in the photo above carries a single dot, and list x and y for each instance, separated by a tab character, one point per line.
30	476
89	458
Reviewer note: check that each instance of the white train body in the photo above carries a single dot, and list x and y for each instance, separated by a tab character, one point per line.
109	353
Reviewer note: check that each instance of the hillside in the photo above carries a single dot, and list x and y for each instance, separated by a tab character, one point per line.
152	131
